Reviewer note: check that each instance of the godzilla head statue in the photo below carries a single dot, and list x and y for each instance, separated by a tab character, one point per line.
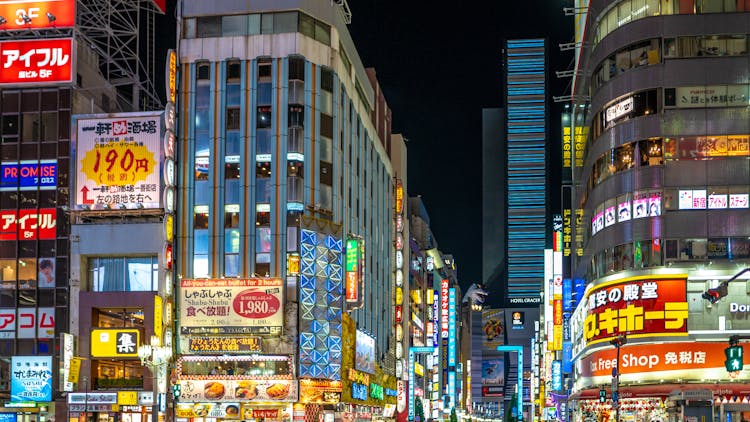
475	294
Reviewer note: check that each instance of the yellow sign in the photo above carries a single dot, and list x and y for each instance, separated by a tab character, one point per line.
399	296
158	315
418	369
169	228
114	343
118	163
127	398
75	369
399	196
172	76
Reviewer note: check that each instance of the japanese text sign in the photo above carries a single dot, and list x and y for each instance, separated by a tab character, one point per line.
444	308
28	175
31	378
118	161
34	62
39	14
27	323
352	270
106	343
236	345
28	224
638	307
231	306
244	390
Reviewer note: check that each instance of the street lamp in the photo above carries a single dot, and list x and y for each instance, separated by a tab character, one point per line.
156	357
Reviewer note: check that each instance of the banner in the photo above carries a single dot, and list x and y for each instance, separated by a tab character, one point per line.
118	162
36	62
231	306
240	390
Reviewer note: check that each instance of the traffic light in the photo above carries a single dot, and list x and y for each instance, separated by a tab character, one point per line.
602	395
734	357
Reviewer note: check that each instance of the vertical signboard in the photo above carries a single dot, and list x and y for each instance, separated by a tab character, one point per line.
452	327
444	308
118	161
352	270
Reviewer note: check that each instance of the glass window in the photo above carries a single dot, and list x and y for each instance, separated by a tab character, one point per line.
253	24
209	26
306	25
188	29
200	265
264	93
231	241
295	189
325	149
231	264
296	116
200	218
232	143
322	32
284	22
296	92
234	25
31	127
266	23
263	191
263	239
264	117
202	192
262	219
710	6
263	141
295	140
200	245
108	274
233	94
233	118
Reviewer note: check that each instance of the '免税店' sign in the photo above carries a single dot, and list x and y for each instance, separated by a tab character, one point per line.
643	306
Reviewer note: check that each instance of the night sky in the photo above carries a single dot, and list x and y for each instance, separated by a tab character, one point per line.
439	64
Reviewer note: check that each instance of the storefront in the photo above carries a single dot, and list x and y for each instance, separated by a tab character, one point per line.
234	411
117	406
26	412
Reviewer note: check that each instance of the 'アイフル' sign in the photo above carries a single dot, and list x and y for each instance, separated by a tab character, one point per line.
35	62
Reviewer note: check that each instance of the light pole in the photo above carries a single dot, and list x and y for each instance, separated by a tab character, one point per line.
155	357
618	342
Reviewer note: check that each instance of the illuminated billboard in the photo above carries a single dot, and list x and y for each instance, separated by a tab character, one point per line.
353	260
39	14
365	353
31	378
118	161
114	343
231	306
28	224
28	175
35	62
643	306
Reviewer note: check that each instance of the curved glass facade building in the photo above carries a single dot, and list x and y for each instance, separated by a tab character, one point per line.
663	88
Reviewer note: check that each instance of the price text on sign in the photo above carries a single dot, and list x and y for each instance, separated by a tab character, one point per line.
36	61
119	164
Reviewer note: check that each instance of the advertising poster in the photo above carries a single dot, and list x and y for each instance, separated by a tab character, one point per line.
493	372
640	306
118	161
640	208
623	211
31	378
28	224
36	62
28	175
238	390
27	323
64	12
365	353
231	306
493	328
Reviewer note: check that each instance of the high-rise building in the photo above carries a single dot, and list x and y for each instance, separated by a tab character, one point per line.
285	175
494	268
58	62
525	66
663	89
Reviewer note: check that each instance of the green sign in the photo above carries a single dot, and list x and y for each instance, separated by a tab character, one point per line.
734	358
352	255
376	391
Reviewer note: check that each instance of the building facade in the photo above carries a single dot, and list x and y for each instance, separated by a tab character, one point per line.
662	89
285	175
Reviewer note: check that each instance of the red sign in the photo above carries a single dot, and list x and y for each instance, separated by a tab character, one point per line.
255	304
28	224
351	286
161	5
266	414
638	307
444	309
37	14
36	61
399	313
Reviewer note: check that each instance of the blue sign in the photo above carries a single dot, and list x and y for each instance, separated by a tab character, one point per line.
7	417
359	391
31	378
452	327
567	357
28	175
556	375
435	317
567	295
387	391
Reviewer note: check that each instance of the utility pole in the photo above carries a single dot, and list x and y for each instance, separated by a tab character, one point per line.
618	342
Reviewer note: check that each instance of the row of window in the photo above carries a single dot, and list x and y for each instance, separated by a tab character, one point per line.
652	202
257	23
648	52
627	11
658	252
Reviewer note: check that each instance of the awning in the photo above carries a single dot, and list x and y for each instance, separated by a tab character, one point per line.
663	390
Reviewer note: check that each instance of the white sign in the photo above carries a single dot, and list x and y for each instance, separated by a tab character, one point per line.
27	323
619	109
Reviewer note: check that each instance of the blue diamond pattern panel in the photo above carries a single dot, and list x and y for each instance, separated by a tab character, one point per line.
321	304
